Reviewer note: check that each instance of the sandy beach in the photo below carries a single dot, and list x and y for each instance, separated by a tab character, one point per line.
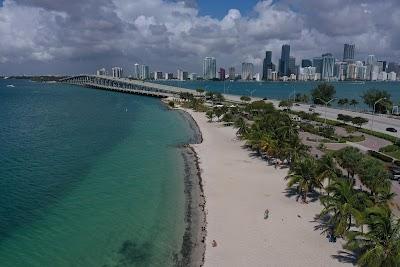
238	188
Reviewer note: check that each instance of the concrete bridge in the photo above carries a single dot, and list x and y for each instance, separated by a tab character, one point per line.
125	85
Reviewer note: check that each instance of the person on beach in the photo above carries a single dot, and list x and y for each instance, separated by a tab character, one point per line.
266	214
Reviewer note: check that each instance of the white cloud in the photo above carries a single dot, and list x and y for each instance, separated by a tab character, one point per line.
167	35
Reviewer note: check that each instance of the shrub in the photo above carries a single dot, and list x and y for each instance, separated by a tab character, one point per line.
171	104
380	156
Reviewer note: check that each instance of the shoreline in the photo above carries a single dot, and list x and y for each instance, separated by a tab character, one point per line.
238	187
193	245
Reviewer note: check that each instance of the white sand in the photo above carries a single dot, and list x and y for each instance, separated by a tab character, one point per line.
238	189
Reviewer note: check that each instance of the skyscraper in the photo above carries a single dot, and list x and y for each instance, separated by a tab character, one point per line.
267	65
284	61
328	64
136	71
116	72
348	52
247	71
306	63
317	63
292	66
221	74
209	68
144	72
232	73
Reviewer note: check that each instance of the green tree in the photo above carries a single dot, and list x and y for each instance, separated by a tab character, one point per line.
380	246
342	204
375	177
286	104
372	95
349	159
353	103
245	98
303	174
359	121
323	91
210	115
344	118
243	129
343	102
327	169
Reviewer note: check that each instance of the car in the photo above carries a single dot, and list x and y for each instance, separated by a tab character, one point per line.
311	109
297	104
313	106
391	129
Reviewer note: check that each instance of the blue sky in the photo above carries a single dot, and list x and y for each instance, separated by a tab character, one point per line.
219	8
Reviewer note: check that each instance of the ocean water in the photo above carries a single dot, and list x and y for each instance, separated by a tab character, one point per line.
88	177
282	90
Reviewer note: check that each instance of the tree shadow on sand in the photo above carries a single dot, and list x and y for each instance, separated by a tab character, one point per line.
291	192
323	226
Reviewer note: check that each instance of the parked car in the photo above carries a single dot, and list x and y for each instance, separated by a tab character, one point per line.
311	109
391	129
313	106
297	104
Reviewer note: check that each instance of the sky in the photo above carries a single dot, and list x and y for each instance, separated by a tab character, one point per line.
80	36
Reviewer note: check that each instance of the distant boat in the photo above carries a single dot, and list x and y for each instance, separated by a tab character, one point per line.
5	78
126	109
10	85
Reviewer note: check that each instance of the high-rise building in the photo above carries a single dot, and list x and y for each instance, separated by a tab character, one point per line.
144	72
136	71
182	75
371	60
328	64
267	65
247	71
306	63
348	52
101	72
221	74
209	68
392	76
340	70
116	72
193	76
158	75
393	67
232	73
169	76
284	61
317	63
292	66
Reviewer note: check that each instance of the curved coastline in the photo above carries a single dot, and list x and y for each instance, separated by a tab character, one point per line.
193	245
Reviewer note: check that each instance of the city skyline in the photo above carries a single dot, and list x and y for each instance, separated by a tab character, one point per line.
41	37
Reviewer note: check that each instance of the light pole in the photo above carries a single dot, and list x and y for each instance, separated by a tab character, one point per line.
326	104
373	114
251	92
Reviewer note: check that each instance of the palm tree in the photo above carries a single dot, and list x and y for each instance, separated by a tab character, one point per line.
349	158
380	246
210	115
243	129
327	168
342	204
303	174
353	103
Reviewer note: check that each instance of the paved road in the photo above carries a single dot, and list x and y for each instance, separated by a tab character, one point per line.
378	123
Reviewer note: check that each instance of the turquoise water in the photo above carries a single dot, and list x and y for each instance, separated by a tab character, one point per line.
282	90
88	177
